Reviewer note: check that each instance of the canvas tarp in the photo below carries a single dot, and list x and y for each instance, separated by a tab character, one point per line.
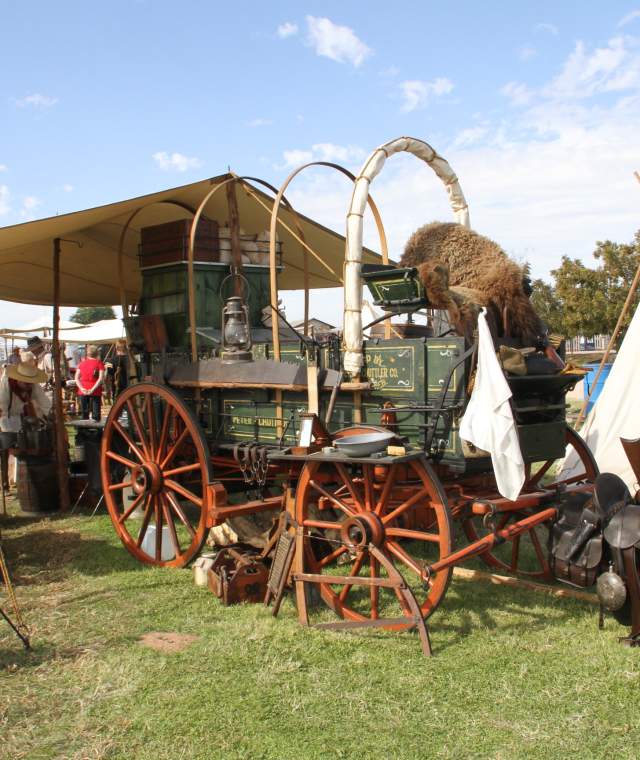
41	327
89	275
104	331
616	413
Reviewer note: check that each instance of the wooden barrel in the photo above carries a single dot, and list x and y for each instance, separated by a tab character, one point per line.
37	484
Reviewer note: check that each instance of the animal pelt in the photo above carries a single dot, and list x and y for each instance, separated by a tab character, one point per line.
462	270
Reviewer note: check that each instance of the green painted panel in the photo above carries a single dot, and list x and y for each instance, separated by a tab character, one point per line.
395	367
442	353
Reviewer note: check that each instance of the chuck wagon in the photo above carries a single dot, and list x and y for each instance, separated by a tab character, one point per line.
232	418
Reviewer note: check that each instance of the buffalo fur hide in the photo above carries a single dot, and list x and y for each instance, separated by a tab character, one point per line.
462	271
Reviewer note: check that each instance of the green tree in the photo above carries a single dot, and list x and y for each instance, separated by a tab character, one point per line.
84	315
592	299
548	306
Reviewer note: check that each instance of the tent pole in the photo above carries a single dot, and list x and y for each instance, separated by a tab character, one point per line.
60	439
623	314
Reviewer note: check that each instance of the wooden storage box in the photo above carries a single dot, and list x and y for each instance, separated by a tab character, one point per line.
169	243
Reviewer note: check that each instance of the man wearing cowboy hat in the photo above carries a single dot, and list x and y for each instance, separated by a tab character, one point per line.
44	358
21	394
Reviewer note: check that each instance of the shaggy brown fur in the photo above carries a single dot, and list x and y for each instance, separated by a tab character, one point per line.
461	269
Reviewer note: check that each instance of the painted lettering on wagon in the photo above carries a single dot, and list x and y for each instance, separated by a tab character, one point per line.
260	421
390	367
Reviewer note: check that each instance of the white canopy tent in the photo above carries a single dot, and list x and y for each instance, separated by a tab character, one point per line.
616	413
98	333
43	328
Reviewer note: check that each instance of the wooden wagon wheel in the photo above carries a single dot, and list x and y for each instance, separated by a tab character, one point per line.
527	554
400	508
155	468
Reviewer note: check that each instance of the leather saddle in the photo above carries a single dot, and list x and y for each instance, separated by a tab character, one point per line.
575	544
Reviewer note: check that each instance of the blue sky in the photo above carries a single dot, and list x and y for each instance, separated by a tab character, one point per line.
535	105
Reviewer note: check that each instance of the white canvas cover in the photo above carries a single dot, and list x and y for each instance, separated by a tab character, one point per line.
616	413
352	333
103	331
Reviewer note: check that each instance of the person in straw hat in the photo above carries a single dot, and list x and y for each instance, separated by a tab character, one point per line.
21	394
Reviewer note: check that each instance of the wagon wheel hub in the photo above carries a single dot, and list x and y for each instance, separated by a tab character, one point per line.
147	478
361	530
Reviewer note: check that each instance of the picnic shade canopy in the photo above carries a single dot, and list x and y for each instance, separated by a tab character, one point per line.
89	276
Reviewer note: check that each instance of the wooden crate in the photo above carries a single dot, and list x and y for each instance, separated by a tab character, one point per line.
169	243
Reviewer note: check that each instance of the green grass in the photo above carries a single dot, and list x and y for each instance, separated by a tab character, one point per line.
515	674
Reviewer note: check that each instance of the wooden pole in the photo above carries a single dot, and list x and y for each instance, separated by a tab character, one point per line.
62	464
234	227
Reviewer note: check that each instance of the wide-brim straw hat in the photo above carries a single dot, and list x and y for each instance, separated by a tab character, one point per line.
26	373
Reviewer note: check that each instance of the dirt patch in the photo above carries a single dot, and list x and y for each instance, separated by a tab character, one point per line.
167	642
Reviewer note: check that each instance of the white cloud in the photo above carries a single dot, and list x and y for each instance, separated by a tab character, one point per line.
67	188
175	161
259	122
518	93
5	196
416	92
338	154
470	136
339	43
287	30
546	180
29	204
549	28
37	100
527	52
607	69
629	18
4	168
296	157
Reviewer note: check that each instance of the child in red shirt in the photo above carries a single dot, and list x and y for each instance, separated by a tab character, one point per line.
89	380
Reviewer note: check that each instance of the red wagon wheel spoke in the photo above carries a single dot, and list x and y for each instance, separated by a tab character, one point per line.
414	535
120	459
133	416
139	460
418	496
119	486
355	569
386	489
332	498
131	508
515	553
407	520
151	425
332	556
399	553
374	591
181	470
350	486
125	436
174	448
145	521
171	525
526	555
183	492
164	432
158	511
367	476
178	510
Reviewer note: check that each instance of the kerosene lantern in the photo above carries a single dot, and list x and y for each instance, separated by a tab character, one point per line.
236	335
